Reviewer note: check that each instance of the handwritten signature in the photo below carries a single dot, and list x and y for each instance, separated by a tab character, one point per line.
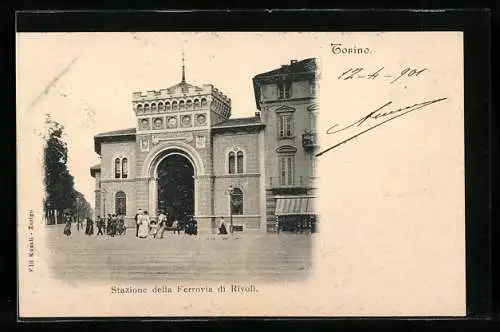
380	113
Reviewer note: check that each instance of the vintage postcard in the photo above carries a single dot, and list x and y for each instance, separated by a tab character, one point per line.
240	174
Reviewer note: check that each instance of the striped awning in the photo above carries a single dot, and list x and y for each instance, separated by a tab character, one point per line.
294	206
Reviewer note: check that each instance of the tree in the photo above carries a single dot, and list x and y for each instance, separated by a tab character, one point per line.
60	193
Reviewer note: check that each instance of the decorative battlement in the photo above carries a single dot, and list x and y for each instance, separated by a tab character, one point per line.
179	91
181	97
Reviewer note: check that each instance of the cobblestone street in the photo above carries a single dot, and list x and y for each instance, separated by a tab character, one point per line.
241	256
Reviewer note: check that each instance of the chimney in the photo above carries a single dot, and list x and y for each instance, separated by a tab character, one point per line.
293	62
257	115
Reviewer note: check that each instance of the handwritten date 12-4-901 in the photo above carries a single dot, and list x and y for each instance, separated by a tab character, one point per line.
361	73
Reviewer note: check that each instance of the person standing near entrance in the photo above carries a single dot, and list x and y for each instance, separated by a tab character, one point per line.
136	218
143	221
162	224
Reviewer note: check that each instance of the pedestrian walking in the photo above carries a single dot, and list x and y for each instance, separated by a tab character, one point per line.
120	228
222	226
114	224
89	227
100	225
67	226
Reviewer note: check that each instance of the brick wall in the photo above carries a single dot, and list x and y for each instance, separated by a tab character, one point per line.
224	142
112	150
108	199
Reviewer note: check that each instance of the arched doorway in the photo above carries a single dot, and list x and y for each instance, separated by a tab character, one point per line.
175	187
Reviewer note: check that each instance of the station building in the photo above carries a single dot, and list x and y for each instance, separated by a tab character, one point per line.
186	156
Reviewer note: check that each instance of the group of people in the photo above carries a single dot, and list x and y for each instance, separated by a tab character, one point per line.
145	226
112	225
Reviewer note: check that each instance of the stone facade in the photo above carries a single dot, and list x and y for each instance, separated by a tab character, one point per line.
286	98
239	156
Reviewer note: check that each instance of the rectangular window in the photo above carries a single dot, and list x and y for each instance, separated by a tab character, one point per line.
285	125
286	171
285	90
313	121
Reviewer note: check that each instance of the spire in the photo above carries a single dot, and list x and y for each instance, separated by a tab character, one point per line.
183	69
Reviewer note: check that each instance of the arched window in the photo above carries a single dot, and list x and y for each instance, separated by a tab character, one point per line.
196	103
117	168
189	104
160	106
153	107
120	203
182	105
167	106
203	102
236	162
231	162
236	201
239	162
174	105
124	168
139	108
146	107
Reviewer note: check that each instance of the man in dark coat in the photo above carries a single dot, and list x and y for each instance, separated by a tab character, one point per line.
139	211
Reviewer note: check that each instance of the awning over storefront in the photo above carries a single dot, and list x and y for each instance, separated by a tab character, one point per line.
294	206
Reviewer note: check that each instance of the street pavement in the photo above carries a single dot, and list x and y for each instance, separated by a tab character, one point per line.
240	256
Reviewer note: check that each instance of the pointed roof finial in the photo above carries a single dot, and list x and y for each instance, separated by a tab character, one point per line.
183	69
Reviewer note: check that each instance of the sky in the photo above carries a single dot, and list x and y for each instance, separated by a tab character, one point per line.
85	80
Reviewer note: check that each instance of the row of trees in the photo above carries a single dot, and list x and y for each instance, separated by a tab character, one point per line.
60	193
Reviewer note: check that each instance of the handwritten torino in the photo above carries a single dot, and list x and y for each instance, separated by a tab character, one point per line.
383	112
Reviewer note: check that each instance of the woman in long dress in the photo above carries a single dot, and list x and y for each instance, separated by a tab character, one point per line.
89	227
143	221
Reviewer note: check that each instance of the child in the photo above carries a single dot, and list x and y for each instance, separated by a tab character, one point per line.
153	228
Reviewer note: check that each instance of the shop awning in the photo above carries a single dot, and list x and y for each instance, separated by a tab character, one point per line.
295	206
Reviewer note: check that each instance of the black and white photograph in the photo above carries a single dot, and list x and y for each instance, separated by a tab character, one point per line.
239	173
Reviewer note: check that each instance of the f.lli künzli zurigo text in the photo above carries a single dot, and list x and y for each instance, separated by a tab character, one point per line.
162	289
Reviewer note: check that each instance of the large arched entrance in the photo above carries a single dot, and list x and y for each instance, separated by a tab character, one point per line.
175	187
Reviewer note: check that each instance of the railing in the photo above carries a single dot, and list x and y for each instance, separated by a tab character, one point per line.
286	182
309	140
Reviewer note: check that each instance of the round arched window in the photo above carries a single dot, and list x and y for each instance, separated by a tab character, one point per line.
120	203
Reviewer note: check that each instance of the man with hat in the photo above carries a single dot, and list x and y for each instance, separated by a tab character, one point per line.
139	212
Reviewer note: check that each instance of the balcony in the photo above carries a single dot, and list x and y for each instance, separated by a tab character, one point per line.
309	141
295	185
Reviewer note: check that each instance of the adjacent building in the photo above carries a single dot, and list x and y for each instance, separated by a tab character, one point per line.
286	99
186	156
